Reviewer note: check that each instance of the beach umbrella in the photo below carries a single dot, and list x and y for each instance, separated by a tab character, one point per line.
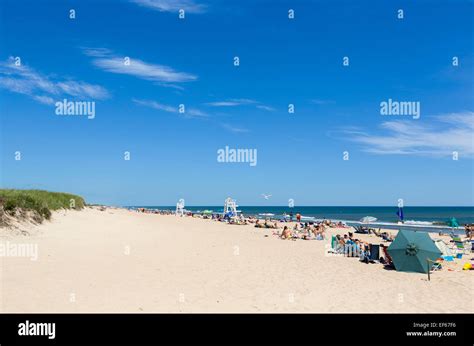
453	222
400	213
368	219
411	250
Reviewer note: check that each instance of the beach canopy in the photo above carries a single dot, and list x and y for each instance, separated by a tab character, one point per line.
368	219
453	222
410	251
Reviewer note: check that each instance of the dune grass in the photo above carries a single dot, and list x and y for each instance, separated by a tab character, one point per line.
38	201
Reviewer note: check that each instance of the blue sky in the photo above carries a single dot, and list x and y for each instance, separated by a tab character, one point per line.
282	61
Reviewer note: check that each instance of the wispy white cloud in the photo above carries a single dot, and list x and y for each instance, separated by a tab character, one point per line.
265	108
97	52
25	80
189	112
47	100
443	135
321	102
240	102
106	60
81	89
232	103
193	112
156	105
141	69
234	129
189	6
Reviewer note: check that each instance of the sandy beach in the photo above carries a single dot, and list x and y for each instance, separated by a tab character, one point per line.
123	261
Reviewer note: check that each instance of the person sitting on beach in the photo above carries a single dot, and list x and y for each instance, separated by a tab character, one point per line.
320	235
386	259
286	233
350	245
364	252
340	243
307	234
378	233
322	231
241	220
386	236
318	232
340	239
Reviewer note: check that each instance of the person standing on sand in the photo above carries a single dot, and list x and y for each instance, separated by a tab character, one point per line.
298	217
469	229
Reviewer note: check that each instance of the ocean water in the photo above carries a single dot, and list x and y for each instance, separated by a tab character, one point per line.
415	215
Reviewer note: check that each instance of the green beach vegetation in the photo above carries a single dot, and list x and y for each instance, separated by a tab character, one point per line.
38	204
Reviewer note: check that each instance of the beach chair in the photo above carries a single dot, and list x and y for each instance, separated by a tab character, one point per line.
361	229
374	252
459	246
335	246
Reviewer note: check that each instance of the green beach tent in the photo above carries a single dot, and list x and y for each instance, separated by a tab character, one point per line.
453	222
410	251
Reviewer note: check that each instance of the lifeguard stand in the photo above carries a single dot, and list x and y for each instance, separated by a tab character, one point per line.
230	208
180	208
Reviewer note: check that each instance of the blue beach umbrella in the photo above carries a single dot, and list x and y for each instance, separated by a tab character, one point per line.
400	213
411	250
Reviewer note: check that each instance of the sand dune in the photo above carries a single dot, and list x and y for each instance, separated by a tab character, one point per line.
122	261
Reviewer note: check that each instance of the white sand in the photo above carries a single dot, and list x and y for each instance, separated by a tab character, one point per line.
194	265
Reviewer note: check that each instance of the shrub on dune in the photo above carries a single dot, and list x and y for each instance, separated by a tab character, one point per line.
39	202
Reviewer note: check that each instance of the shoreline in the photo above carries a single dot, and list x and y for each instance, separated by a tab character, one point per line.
425	226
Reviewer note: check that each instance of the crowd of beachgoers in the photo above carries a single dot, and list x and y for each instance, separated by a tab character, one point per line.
345	242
